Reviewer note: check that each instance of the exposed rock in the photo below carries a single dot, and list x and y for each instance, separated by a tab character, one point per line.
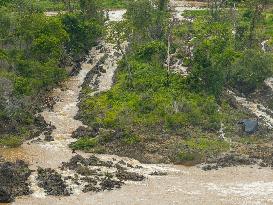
110	184
250	126
91	188
122	162
117	54
129	176
49	138
52	182
85	132
85	171
77	160
229	160
158	173
36	140
101	69
74	162
5	196
94	161
13	180
119	167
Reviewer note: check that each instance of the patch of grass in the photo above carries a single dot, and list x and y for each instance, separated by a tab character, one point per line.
207	145
11	141
186	156
195	150
114	4
150	106
269	23
196	13
131	139
251	140
48	5
84	143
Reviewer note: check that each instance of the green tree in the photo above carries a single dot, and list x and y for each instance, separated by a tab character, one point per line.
250	70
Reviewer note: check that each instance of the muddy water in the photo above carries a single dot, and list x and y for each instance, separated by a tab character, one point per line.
183	185
262	112
51	154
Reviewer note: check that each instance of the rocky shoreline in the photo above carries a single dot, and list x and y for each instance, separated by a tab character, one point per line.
14	180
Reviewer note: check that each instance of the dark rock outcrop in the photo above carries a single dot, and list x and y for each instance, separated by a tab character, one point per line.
110	184
52	182
129	176
13	180
228	160
85	132
249	126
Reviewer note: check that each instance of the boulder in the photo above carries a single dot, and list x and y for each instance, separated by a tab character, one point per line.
249	126
52	182
5	196
85	132
13	180
49	138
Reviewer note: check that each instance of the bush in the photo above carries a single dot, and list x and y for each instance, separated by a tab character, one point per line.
250	70
82	34
151	50
130	139
196	149
11	141
186	157
151	105
84	143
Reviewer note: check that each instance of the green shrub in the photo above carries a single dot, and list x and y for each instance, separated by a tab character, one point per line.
84	143
11	141
152	49
186	156
130	139
195	150
250	70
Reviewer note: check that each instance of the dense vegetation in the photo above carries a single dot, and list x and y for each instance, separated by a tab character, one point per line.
151	113
152	106
227	47
63	5
37	52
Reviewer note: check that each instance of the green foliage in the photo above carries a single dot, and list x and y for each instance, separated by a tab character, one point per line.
198	148
211	62
84	143
250	70
49	5
34	49
114	4
150	105
152	50
130	139
91	9
11	141
148	19
221	58
82	34
187	156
